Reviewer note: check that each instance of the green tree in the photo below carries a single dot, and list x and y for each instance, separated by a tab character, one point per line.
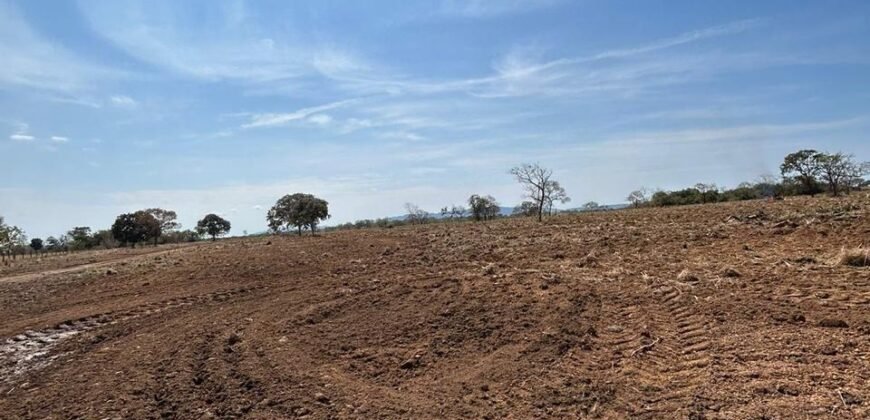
483	207
36	244
166	219
297	210
803	166
52	244
132	228
526	208
10	236
80	236
213	225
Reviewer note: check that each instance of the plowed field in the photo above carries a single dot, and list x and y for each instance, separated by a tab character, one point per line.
725	311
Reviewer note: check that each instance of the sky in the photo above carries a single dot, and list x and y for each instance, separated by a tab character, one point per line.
111	106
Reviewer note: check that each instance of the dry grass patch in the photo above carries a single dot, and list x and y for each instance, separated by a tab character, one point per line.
855	257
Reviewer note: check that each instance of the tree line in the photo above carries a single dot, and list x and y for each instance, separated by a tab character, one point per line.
299	212
541	193
805	172
802	172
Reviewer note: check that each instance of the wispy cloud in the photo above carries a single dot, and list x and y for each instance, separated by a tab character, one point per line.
21	137
226	47
21	133
743	132
278	119
522	72
32	61
59	139
491	8
123	101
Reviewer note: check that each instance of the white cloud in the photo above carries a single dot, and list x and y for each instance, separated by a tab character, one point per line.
224	45
277	119
123	101
734	133
490	8
21	137
21	133
320	119
59	139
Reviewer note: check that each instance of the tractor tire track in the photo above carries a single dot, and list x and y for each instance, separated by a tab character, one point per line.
31	350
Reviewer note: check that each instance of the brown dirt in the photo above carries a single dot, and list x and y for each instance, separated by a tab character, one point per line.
581	316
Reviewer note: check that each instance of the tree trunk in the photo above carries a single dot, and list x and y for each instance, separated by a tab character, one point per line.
299	230
541	206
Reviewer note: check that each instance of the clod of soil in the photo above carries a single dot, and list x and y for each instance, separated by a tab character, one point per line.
833	323
687	277
730	272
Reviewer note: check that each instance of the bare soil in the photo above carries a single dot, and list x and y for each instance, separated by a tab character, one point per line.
726	311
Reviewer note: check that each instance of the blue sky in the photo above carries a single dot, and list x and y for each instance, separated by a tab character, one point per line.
207	106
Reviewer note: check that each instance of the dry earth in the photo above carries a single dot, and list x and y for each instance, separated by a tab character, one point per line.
726	311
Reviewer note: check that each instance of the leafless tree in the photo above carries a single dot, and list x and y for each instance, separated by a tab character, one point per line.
553	193
539	186
839	171
416	215
639	197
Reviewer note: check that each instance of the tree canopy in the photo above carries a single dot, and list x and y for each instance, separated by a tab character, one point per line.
483	207
213	225
10	236
131	228
297	210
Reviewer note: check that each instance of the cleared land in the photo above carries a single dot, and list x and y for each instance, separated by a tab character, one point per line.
724	311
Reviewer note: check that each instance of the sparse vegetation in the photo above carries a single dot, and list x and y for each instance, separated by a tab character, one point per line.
415	215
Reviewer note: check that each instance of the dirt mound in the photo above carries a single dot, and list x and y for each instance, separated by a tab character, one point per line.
715	311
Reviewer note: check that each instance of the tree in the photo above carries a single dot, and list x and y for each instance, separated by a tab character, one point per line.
416	215
166	219
53	244
709	192
131	228
554	192
526	208
149	225
638	197
591	206
10	236
803	166
80	236
299	210
839	171
453	212
213	225
539	186
36	244
483	207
